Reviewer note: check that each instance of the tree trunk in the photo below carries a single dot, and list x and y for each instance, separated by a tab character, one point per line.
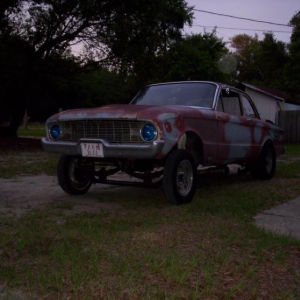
25	120
9	129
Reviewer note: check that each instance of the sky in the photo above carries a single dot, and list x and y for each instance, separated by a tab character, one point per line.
275	11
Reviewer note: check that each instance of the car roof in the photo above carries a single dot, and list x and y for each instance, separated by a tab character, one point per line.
187	81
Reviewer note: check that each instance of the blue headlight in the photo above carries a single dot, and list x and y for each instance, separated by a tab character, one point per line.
55	131
148	132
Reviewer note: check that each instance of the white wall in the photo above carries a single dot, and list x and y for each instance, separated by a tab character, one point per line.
266	105
288	106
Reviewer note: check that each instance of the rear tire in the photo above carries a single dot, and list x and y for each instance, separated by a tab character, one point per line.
265	166
70	178
180	175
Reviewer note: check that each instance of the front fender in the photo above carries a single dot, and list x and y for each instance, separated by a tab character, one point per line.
172	130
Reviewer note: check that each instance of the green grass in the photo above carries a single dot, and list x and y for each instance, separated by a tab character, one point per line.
33	129
13	163
149	249
293	149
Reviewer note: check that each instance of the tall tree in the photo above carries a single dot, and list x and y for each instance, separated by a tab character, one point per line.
292	74
146	33
271	58
196	57
246	49
16	74
260	61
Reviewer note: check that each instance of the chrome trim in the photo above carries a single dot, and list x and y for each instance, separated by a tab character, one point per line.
124	150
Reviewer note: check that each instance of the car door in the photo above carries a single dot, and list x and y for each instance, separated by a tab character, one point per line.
254	124
235	128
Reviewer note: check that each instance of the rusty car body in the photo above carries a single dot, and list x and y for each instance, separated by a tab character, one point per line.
163	135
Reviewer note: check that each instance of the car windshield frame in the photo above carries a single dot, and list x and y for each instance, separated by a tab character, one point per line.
199	94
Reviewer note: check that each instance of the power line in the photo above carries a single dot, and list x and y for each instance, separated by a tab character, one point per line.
246	29
234	17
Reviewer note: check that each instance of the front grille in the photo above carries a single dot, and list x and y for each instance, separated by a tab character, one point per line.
111	131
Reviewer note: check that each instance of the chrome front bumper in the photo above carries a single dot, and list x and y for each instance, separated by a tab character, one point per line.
124	150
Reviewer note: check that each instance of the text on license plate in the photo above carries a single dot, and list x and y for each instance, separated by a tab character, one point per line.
92	150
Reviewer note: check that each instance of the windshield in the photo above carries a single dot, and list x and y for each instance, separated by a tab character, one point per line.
188	94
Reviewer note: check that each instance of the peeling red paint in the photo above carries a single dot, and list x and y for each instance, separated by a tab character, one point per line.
168	126
180	124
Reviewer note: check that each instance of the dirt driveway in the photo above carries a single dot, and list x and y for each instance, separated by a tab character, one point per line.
20	195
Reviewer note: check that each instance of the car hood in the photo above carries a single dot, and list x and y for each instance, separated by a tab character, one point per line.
129	112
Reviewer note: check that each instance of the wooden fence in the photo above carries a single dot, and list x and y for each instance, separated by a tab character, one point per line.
289	120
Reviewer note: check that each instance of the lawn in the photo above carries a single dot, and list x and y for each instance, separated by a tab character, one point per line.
149	249
33	130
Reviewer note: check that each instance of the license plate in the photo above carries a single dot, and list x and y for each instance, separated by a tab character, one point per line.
92	150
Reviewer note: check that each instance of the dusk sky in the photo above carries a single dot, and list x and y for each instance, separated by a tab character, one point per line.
275	11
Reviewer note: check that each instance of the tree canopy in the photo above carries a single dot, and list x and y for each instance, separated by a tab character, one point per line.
196	58
124	44
260	61
292	72
121	35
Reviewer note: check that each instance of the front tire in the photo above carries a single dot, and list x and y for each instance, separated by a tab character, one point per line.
266	164
70	178
179	178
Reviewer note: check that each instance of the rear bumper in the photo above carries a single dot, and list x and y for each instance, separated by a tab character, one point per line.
126	150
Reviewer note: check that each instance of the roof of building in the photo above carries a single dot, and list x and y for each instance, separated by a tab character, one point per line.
272	93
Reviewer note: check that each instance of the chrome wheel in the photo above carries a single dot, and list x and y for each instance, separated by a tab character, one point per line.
179	178
269	161
72	179
78	180
185	177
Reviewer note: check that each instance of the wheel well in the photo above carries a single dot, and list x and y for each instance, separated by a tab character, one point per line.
270	143
191	142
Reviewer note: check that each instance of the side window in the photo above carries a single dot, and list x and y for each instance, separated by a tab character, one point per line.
231	103
247	107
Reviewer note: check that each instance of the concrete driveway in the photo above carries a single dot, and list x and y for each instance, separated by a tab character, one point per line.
283	219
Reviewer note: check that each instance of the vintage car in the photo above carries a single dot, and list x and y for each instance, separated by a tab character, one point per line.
161	137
